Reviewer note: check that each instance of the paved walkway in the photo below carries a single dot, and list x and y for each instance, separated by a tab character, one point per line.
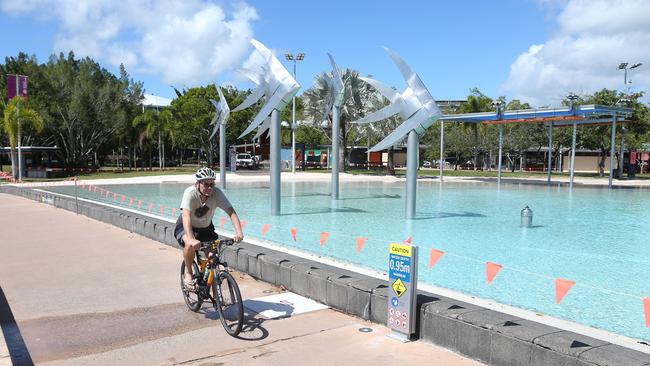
75	291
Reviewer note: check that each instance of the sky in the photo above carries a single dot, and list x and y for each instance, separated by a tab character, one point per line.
533	50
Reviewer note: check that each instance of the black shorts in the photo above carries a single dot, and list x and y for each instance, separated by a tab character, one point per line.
205	234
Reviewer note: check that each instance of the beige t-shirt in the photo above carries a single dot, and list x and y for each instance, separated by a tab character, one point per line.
202	214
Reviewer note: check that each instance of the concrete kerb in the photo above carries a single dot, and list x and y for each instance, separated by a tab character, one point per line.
489	336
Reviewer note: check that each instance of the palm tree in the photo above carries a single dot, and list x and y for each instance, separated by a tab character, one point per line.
355	105
154	122
18	115
476	102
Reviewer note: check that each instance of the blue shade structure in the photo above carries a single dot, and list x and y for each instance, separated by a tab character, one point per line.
278	87
220	118
418	111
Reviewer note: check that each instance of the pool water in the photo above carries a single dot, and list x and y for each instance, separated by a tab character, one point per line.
595	237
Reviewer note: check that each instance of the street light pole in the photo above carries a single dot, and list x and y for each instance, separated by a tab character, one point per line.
299	57
624	66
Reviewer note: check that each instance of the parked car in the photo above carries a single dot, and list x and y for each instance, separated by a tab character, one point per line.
426	164
245	160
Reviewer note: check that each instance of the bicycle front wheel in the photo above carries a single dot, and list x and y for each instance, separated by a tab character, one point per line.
192	298
228	302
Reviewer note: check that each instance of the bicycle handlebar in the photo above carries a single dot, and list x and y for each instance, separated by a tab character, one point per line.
216	243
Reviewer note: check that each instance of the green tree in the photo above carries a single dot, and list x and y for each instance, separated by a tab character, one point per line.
477	102
357	102
18	118
192	113
599	137
86	107
155	124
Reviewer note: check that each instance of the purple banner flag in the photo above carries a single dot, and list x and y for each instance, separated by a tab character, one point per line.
16	85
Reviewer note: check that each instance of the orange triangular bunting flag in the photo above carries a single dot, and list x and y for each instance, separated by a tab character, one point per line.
562	286
222	221
123	198
294	232
646	307
265	228
409	240
434	257
323	237
361	241
243	224
492	269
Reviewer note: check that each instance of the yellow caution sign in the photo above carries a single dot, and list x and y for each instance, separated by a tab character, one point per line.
400	249
399	288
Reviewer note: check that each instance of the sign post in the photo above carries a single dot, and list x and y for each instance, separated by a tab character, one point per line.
233	159
17	86
402	281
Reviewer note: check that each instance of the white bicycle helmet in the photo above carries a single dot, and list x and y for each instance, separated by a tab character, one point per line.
205	173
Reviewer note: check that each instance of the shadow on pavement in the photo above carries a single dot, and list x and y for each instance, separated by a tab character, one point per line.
15	343
252	329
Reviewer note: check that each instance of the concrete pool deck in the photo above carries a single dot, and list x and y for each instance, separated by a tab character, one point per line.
263	176
78	291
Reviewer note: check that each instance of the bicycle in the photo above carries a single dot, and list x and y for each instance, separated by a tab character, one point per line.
213	274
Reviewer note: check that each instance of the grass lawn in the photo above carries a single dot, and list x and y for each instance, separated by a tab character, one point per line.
111	173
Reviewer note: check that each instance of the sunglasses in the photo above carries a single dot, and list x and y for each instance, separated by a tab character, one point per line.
211	184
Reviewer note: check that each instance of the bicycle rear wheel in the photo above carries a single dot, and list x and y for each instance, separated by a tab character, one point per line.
192	298
228	303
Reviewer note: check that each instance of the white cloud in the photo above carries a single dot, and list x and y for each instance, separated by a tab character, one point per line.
592	39
189	42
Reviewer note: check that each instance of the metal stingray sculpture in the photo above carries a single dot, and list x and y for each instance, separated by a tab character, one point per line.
333	104
418	111
222	112
219	121
259	80
275	82
336	89
415	105
278	87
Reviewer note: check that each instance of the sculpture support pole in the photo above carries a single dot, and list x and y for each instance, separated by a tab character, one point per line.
222	156
550	151
411	173
612	150
442	147
500	152
573	154
334	158
275	163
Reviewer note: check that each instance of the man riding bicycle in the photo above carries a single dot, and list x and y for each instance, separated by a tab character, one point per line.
194	225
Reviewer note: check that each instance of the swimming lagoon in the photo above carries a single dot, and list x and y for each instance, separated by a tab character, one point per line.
595	237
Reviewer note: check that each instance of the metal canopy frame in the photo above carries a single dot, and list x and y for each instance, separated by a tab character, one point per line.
583	115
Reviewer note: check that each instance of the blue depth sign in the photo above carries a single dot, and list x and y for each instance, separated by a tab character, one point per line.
399	267
402	278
